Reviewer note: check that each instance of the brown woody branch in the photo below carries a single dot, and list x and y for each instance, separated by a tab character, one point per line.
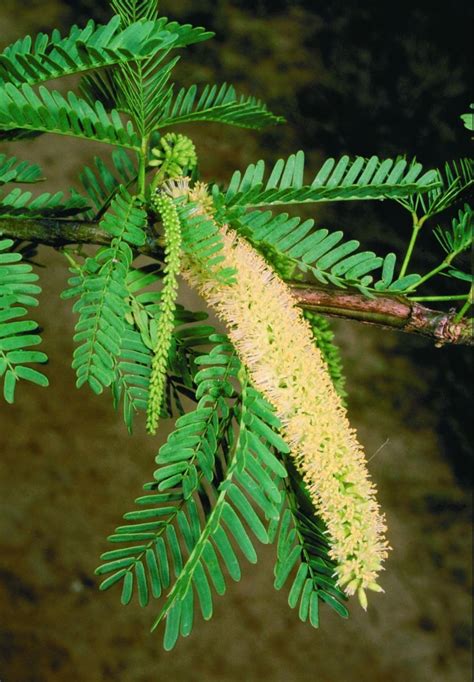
390	312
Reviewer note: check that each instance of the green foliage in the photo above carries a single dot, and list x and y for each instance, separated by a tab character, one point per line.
186	526
461	235
468	119
457	178
302	545
83	49
132	10
216	104
146	89
126	220
133	370
17	336
19	204
195	441
102	306
101	183
201	239
224	476
324	254
454	242
344	180
141	90
184	34
13	170
101	309
21	108
132	376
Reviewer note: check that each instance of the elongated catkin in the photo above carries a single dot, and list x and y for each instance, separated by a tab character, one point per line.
275	344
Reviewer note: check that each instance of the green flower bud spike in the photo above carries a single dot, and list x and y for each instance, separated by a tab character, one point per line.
172	232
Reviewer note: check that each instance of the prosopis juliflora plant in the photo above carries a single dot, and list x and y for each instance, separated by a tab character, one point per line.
266	452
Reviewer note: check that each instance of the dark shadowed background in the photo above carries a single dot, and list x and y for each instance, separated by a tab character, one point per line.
350	77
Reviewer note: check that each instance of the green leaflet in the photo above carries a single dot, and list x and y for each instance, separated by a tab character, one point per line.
211	540
142	90
168	528
102	308
132	375
21	108
454	241
132	10
341	180
219	104
456	178
302	545
49	57
102	184
101	286
13	170
461	235
324	254
201	239
468	119
197	437
223	478
126	220
20	204
17	289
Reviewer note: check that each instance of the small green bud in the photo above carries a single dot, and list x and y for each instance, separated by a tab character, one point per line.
174	154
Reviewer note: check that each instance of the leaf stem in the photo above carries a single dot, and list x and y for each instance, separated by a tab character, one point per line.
429	275
416	227
111	197
142	163
467	305
457	297
442	266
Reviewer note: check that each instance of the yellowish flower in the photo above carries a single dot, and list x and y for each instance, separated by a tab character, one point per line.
275	344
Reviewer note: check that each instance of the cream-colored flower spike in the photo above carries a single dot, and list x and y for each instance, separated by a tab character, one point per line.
275	344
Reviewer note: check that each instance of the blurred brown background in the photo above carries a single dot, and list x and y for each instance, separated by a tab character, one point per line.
356	78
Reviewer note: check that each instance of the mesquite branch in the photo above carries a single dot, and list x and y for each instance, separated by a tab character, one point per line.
391	312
